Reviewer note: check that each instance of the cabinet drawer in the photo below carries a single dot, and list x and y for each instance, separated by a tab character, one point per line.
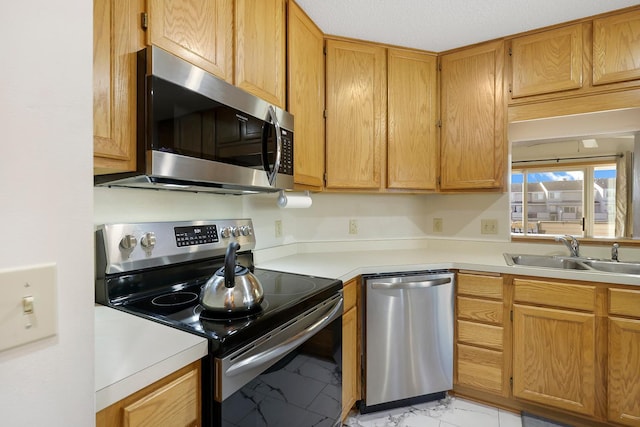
579	297
480	286
177	403
480	310
625	302
480	368
480	334
350	292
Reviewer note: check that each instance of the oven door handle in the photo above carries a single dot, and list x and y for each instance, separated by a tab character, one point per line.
261	358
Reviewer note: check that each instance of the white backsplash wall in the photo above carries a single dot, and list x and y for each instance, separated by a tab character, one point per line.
116	205
376	216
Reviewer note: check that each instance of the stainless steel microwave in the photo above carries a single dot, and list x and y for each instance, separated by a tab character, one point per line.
197	132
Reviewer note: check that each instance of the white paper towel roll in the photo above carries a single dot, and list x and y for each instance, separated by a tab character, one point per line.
294	200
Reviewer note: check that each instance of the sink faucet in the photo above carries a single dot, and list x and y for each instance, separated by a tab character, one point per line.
571	243
614	252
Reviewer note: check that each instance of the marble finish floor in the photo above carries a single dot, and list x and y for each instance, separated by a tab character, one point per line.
448	412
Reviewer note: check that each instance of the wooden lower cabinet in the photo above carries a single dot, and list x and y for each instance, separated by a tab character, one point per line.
350	348
554	358
173	401
623	378
480	362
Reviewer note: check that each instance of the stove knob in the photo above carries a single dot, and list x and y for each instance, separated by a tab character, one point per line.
128	242
148	241
235	231
245	230
225	232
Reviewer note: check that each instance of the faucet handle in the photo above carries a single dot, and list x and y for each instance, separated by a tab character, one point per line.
614	251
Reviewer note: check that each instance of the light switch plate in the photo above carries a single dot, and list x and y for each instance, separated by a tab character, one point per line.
28	305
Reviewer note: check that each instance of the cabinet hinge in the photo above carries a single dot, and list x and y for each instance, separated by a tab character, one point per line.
439	123
510	88
324	50
439	66
511	315
510	52
438	182
511	383
144	20
324	178
324	114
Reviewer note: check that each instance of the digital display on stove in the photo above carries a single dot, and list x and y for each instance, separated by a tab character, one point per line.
196	235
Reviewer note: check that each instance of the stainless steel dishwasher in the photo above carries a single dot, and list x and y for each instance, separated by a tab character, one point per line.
408	338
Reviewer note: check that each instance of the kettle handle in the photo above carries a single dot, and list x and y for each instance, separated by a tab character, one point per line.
230	265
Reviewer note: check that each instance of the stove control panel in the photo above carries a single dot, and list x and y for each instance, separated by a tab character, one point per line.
132	246
196	235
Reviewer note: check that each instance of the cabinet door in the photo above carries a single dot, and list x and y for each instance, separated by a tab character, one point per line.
172	401
412	148
198	31
356	114
116	37
616	48
306	97
624	369
349	360
545	62
554	358
260	38
473	154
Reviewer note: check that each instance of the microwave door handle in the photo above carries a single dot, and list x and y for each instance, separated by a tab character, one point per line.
271	174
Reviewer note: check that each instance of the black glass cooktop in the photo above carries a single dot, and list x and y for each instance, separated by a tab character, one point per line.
175	301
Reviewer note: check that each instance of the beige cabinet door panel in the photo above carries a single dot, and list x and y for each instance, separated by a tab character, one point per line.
624	371
412	160
306	97
546	62
356	115
260	43
350	360
554	358
472	142
198	31
616	48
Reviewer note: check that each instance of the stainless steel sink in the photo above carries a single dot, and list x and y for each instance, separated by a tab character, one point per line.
614	266
545	261
573	263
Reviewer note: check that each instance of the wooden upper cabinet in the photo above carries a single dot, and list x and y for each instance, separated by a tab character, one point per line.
356	115
546	62
306	97
198	31
260	43
616	48
473	154
412	145
117	37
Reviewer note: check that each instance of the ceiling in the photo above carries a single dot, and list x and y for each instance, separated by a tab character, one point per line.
439	25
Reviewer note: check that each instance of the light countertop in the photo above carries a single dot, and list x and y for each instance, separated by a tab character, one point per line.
132	353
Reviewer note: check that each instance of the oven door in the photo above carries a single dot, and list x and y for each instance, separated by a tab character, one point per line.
291	376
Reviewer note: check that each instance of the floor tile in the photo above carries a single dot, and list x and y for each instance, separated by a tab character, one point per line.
448	412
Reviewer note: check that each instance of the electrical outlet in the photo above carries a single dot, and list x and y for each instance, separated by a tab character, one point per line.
489	226
278	228
353	226
437	225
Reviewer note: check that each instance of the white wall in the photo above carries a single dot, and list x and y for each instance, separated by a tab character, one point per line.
378	216
46	196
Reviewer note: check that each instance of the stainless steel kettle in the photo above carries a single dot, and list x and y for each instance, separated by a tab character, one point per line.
233	288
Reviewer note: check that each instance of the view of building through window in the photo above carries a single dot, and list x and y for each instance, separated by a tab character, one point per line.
580	201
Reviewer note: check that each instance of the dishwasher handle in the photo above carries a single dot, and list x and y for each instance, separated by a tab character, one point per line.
411	285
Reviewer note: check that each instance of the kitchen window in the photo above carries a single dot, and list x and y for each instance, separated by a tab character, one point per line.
555	200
